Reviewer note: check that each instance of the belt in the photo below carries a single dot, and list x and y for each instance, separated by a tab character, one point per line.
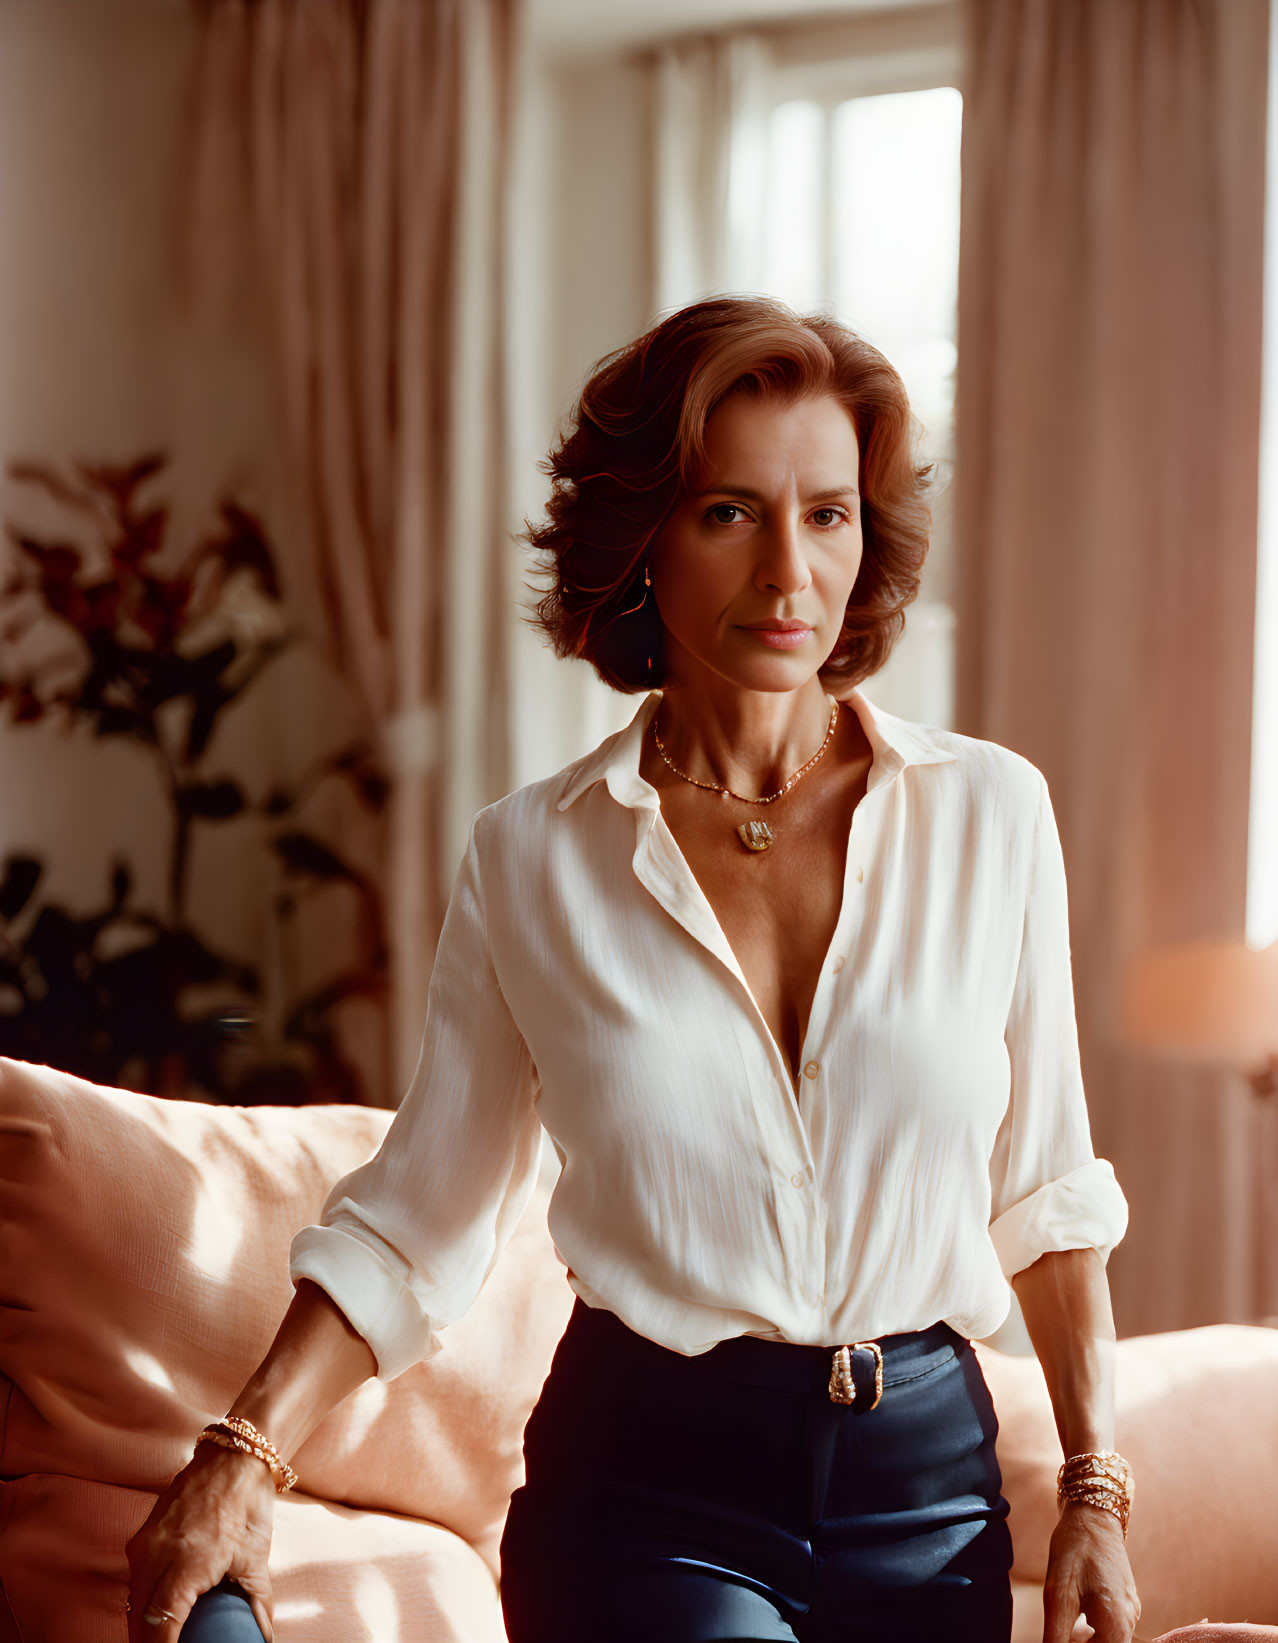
856	1373
842	1380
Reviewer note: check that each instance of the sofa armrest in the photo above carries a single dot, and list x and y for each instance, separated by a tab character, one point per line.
1200	1403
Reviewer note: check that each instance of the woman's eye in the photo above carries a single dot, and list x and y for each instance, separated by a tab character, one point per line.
722	512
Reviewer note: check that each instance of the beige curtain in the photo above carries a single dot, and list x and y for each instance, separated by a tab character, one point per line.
1107	438
348	161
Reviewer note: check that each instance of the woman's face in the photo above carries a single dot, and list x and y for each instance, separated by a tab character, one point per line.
769	537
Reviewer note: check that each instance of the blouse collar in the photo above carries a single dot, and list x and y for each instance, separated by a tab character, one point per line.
896	742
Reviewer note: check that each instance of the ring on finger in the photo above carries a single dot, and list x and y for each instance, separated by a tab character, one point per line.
157	1617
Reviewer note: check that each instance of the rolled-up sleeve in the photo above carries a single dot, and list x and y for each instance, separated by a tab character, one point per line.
1048	1189
405	1241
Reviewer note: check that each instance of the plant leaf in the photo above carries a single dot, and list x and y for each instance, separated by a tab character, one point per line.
21	875
215	801
303	853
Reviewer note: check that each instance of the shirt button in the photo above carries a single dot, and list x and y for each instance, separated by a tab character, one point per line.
860	875
798	1178
838	964
812	1069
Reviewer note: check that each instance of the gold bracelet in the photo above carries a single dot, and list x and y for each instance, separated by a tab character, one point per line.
1105	1462
246	1429
1098	1478
1104	1467
1091	1497
1098	1459
231	1441
226	1441
1100	1486
283	1474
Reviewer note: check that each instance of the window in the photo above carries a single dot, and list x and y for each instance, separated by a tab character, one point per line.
842	196
858	215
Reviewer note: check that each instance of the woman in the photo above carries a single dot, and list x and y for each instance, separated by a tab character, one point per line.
786	978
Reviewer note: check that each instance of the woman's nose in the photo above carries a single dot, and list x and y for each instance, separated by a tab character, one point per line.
782	563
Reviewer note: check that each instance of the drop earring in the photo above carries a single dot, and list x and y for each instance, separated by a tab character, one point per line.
647	582
630	610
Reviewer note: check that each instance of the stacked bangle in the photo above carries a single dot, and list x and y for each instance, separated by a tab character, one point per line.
235	1432
1099	1478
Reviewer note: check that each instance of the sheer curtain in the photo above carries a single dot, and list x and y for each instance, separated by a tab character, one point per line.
709	106
1108	432
819	164
350	165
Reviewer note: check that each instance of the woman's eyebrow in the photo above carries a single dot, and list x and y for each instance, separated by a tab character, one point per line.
757	496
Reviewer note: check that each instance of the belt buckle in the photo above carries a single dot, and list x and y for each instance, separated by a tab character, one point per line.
842	1387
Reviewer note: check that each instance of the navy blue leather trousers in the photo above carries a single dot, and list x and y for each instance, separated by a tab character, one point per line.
725	1496
221	1615
675	1499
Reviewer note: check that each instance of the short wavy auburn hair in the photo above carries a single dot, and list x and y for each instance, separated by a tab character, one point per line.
632	450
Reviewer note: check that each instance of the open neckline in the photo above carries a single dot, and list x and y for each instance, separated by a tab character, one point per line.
647	799
725	951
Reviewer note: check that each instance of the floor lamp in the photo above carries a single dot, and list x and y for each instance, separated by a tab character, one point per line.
1215	1003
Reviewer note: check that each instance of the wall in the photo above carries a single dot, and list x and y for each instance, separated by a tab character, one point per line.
581	229
99	365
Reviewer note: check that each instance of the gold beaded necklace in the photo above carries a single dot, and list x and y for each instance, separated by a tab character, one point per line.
755	835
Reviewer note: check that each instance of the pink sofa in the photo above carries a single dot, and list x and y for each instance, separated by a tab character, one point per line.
143	1271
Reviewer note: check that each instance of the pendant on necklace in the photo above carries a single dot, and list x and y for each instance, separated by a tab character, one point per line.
755	835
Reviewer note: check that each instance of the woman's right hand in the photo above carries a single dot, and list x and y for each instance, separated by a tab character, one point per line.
214	1519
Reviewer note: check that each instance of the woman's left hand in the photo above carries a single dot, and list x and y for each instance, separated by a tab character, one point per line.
1088	1573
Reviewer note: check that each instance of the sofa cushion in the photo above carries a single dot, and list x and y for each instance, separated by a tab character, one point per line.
338	1575
1196	1414
1209	1633
144	1245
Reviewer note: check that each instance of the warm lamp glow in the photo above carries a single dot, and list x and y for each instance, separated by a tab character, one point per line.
1205	1001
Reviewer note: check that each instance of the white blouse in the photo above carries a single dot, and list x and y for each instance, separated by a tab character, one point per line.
582	984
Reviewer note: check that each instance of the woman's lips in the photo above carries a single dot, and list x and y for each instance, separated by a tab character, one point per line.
780	638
